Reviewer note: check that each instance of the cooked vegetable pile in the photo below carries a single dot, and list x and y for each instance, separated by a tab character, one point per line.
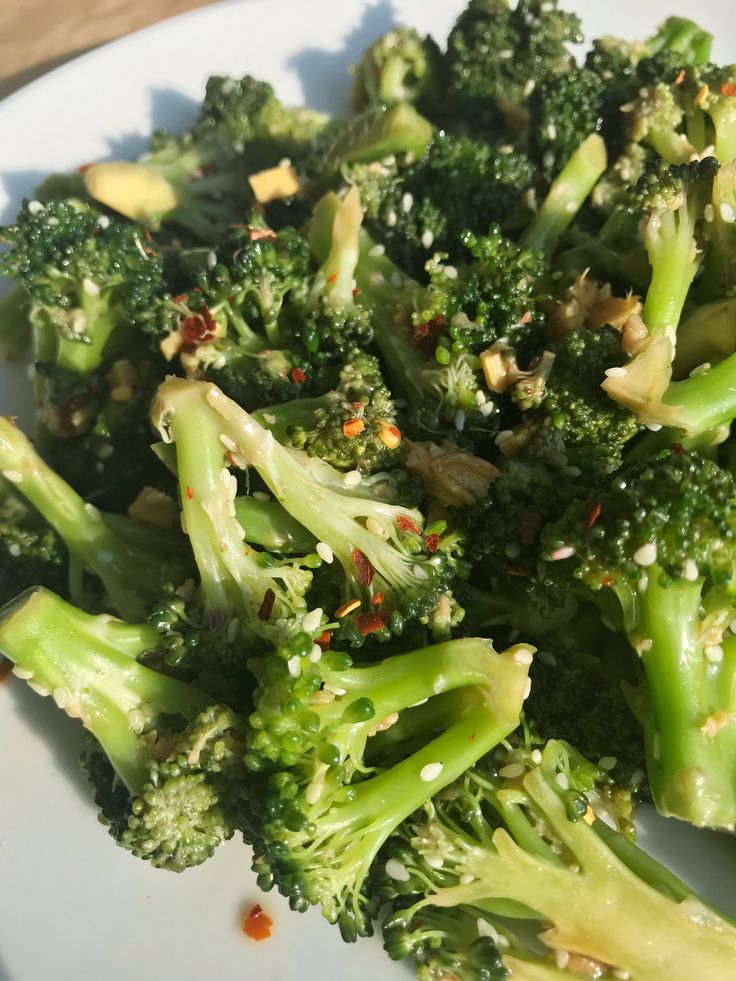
381	506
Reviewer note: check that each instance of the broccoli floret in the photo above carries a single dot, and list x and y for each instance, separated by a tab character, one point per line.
16	329
707	95
320	818
237	584
178	756
377	133
655	117
497	53
92	280
400	66
31	553
654	552
129	558
544	845
563	112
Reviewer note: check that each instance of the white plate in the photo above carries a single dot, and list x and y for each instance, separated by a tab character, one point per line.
73	907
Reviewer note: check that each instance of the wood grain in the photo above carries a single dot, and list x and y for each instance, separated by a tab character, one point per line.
37	35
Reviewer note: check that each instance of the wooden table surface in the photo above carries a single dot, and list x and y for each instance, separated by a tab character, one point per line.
36	35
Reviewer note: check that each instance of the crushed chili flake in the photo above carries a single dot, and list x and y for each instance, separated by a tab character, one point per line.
680	77
257	925
607	581
181	298
407	524
190	493
678	448
357	291
729	89
368	623
357	405
298	376
6	666
593	514
427	330
526	317
83	168
147	235
254	234
353	427
197	329
197	289
333	276
471	737
432	543
364	568
267	605
324	639
378	599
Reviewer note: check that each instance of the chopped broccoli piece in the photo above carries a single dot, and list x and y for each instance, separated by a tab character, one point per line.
400	66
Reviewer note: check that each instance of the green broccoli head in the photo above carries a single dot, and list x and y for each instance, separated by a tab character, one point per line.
563	111
400	66
32	553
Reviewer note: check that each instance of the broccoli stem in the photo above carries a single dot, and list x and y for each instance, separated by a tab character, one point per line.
566	196
705	401
89	666
269	525
379	133
82	354
690	749
130	573
668	238
15	325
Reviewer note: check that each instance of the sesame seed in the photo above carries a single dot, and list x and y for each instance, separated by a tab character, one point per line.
431	771
15	550
615	372
646	555
621	975
511	770
78	323
536	756
92	512
466	878
269	417
573	471
512	550
486	929
563	552
562	781
523	656
653	427
391	219
480	397
420	573
376	278
434	861
606	818
548	159
562	959
727	213
351	479
450	272
407	202
13	476
377	250
39	689
285	162
348	607
690	571
460	420
427	239
325	553
103	222
313	791
607	762
211	260
260	496
61	696
312	620
644	646
23	673
375	528
228	443
315	655
439	684
397	870
294	665
714	653
641	585
503	435
335	690
90	287
34	207
232	630
487	408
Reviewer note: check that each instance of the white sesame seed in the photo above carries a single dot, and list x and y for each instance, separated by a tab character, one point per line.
13	476
536	756
375	528
642	584
315	655
503	435
294	664
450	272
285	162
39	689
335	690
653	427
420	573
523	656
325	553
431	771
269	417
260	496
562	781
434	861
92	512
690	571
90	287
709	212
607	762
487	408
422	701
727	213
228	443
466	878
548	159
34	207
397	870
603	815
61	696
23	673
312	620
646	555
78	322
620	975
563	552
376	278
232	630
391	219
511	770
714	653
615	372
480	397
14	549
351	479
103	222
407	202
486	929
427	239
562	959
313	791
460	420
377	250
211	260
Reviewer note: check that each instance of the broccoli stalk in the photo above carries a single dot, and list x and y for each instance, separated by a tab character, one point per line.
178	782
566	196
15	324
131	560
319	830
267	524
533	840
378	133
378	545
658	561
235	580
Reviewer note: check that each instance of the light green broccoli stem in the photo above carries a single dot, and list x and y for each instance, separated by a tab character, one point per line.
379	133
684	36
670	245
131	573
687	704
335	279
88	664
566	196
706	401
267	524
722	112
15	325
646	934
234	579
81	344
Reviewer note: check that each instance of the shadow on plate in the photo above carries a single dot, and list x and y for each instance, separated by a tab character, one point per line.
4	974
322	71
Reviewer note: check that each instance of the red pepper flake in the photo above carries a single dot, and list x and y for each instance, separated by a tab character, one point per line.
680	78
298	376
6	666
365	569
368	623
427	330
197	329
257	925
357	405
407	524
471	737
256	234
267	605
147	235
432	543
83	168
331	278
678	448
357	291
526	317
197	289
607	581
181	298
729	89
324	639
594	514
190	493
378	599
353	427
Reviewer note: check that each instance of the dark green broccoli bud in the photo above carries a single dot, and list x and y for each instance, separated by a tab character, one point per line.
130	559
15	323
543	836
91	280
238	585
400	66
319	824
31	553
654	552
182	786
563	112
497	53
